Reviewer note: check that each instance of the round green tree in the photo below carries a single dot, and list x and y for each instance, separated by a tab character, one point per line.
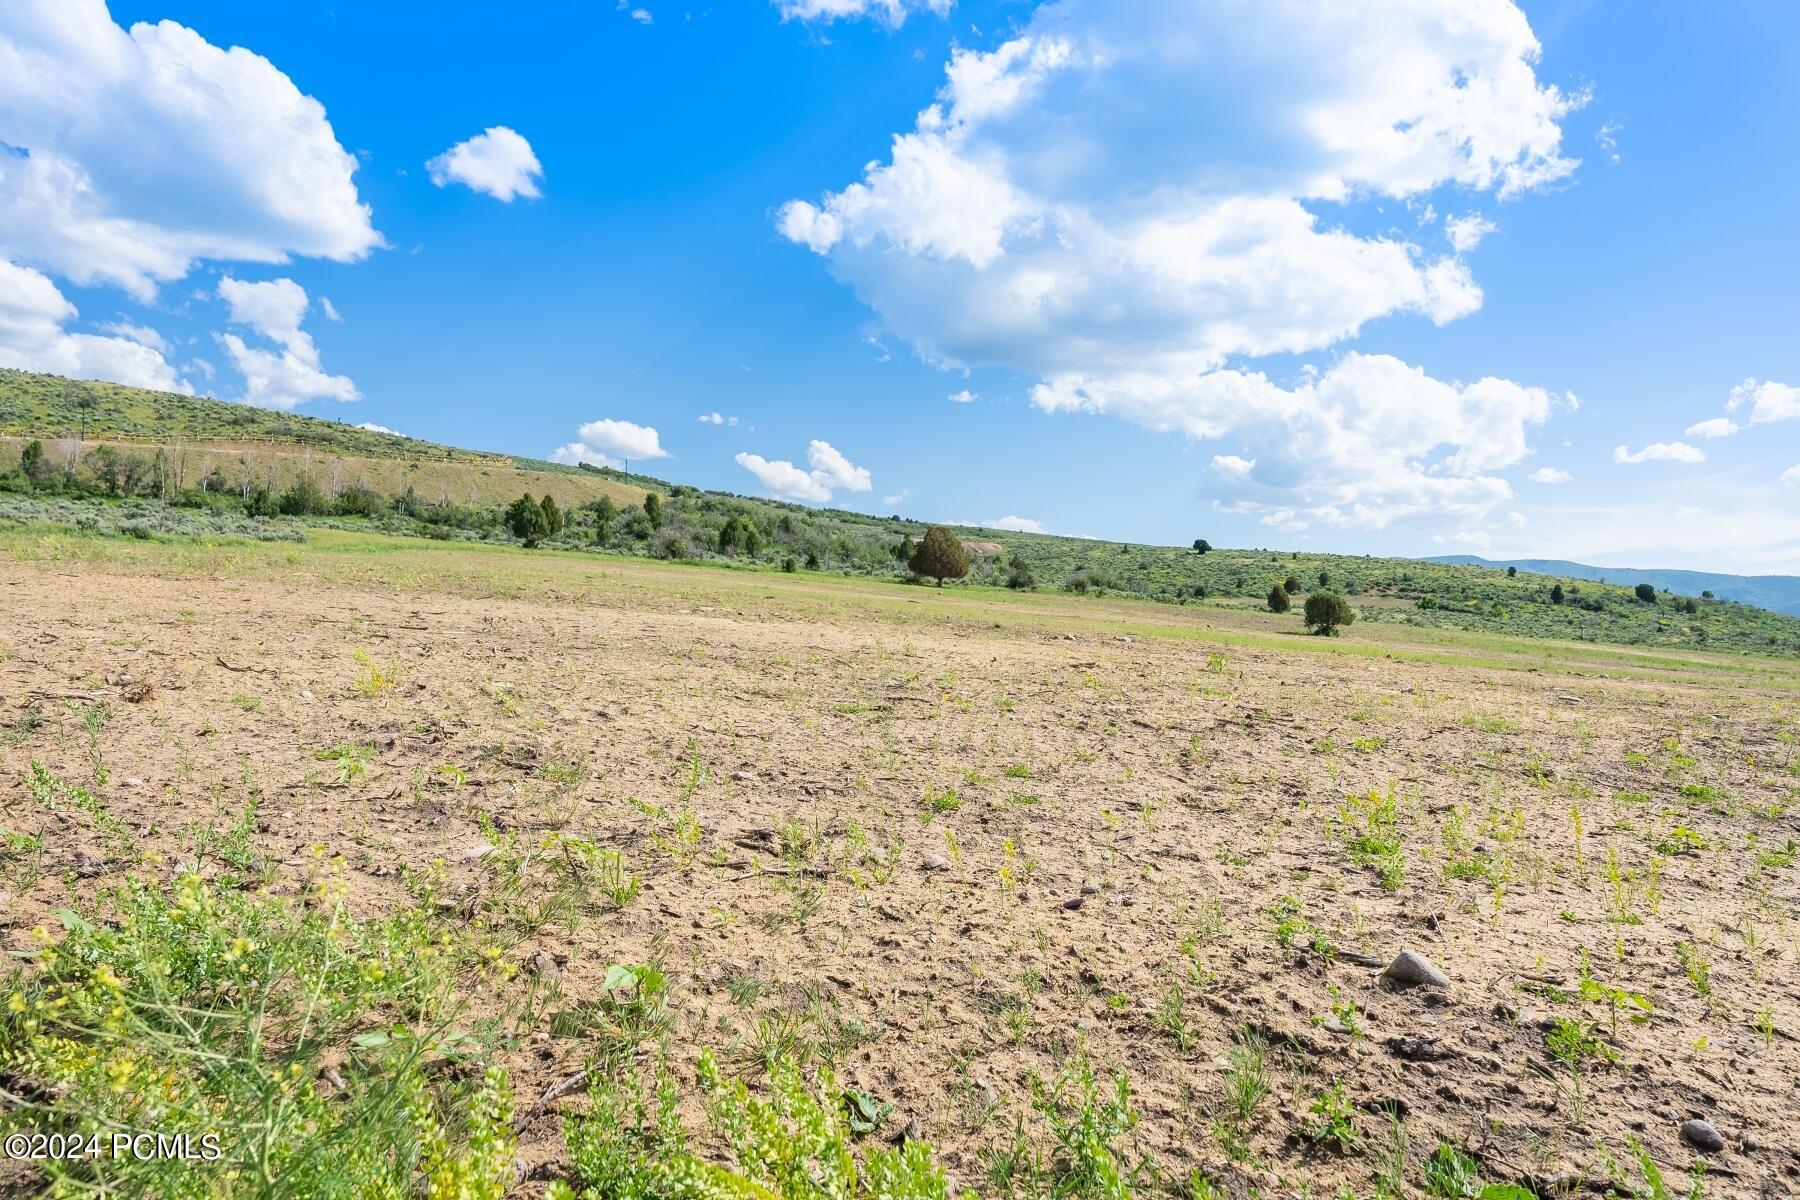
940	556
1278	599
1327	611
525	520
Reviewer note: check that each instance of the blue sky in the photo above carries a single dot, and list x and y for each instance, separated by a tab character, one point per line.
1351	279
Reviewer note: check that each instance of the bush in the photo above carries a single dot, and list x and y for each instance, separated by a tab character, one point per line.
1646	592
1326	612
1556	593
1018	573
525	520
1292	586
1278	599
940	556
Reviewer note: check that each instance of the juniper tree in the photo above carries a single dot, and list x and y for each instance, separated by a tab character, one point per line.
941	555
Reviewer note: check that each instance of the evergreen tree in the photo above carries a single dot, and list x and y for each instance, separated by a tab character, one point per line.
605	513
1326	611
553	518
1292	585
1201	545
1556	594
653	509
940	556
31	460
1018	573
525	520
1278	599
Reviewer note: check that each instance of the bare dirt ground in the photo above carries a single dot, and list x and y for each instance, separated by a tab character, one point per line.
943	853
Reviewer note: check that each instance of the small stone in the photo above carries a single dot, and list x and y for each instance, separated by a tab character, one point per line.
304	695
743	776
1702	1136
479	850
133	782
1090	889
934	862
1409	966
1752	1143
1073	903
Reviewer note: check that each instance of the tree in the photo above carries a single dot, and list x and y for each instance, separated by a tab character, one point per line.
906	549
1326	611
1292	585
653	509
1278	599
1557	596
1324	579
31	460
1018	573
303	498
1646	592
553	518
104	463
525	520
941	555
605	513
1201	545
1706	595
1512	572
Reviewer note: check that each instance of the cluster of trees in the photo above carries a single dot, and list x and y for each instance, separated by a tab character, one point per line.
1325	613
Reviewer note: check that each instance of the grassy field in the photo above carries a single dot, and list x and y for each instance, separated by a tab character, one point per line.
407	867
258	449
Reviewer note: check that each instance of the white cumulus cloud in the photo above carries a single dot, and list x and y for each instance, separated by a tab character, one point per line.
33	314
288	377
963	397
1660	452
132	154
609	443
372	427
1016	525
1550	475
497	162
1791	476
1718	427
1126	194
830	471
1767	401
1465	232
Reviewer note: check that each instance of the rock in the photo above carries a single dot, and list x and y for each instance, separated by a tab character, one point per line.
1702	1136
934	862
1073	903
1415	1048
1411	967
1752	1143
1088	889
743	776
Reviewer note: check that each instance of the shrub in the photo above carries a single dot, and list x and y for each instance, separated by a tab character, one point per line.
1327	611
1646	592
553	518
1557	596
605	513
1018	573
653	509
940	556
525	520
1278	599
1201	545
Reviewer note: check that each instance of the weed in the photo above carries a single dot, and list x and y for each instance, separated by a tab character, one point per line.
1694	962
1246	1087
1333	1118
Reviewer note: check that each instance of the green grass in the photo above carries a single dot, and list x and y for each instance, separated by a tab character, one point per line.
1390	595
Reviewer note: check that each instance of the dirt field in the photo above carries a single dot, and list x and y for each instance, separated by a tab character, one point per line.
941	839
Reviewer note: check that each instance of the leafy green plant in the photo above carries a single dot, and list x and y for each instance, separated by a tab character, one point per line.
1246	1087
309	1046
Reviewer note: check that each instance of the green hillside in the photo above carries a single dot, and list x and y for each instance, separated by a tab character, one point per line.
271	474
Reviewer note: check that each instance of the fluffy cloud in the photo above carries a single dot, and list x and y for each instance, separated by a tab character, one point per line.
608	443
897	498
963	397
1121	198
891	13
496	161
830	470
713	418
1550	475
1718	427
288	377
33	313
1767	401
1017	525
1465	233
372	427
1660	452
1365	443
130	155
1791	476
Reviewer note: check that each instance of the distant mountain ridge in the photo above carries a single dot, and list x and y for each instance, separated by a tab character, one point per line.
1777	593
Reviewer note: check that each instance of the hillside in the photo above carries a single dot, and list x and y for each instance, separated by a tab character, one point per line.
181	464
1778	593
275	448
